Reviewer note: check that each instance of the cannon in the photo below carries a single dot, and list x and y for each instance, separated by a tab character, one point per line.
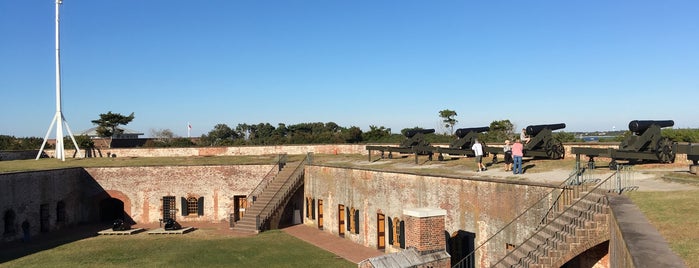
536	129
542	143
638	127
415	143
644	144
120	225
462	145
171	225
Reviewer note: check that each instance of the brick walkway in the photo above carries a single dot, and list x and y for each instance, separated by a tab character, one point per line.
340	246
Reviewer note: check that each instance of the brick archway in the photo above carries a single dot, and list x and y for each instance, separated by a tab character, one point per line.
118	195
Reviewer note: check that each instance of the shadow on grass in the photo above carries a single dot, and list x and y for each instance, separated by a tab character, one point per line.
17	249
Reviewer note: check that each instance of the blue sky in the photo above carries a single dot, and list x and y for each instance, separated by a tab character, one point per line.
593	65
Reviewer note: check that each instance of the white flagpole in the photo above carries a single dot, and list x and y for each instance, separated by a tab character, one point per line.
58	119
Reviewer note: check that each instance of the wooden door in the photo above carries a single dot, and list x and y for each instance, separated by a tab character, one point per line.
381	231
320	213
341	219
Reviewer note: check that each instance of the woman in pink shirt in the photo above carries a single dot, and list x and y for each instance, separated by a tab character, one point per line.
517	154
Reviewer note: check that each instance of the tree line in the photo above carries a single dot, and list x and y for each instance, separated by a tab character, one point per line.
303	133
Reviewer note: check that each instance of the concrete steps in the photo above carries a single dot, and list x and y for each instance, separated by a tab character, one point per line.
249	222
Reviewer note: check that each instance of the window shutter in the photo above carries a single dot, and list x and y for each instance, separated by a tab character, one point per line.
390	231
184	208
349	220
402	234
200	206
356	221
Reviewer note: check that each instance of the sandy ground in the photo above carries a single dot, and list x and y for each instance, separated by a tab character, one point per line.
644	177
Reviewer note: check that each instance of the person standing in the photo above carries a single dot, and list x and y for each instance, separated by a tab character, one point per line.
478	151
508	155
517	154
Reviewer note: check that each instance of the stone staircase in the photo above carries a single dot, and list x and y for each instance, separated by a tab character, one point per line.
271	201
564	235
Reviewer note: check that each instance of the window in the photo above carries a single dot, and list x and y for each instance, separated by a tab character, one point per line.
398	233
169	209
60	212
192	206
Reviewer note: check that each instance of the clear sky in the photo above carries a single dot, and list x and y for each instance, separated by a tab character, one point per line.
593	65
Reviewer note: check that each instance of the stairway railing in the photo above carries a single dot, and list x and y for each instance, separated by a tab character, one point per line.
469	260
581	188
252	197
290	185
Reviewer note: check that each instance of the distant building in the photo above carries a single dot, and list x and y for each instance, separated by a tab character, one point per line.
125	133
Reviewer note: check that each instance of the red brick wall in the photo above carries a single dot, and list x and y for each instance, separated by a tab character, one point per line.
425	234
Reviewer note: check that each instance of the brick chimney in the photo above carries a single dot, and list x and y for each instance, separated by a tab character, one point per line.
424	229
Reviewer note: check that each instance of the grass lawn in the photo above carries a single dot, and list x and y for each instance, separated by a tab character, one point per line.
268	249
676	216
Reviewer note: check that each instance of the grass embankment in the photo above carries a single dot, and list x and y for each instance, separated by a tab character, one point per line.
676	216
268	249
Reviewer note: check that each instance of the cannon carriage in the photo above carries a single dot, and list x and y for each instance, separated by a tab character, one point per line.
542	143
644	144
466	137
415	143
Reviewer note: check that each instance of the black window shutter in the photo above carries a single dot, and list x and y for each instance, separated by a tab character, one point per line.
184	208
402	234
390	231
200	206
348	220
356	221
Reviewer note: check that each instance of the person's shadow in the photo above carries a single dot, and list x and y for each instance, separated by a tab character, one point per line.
526	167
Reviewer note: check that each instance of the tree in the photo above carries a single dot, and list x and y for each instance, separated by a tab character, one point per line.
500	131
448	119
376	134
222	134
162	134
108	124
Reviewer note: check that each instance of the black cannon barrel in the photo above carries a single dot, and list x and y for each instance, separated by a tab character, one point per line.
412	132
535	129
641	125
462	132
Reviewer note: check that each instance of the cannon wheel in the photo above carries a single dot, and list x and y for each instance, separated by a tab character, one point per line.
664	151
555	149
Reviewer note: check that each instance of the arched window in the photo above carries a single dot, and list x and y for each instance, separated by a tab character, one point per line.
396	232
192	206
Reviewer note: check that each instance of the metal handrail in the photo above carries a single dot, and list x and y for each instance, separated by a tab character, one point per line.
290	184
563	186
597	186
252	197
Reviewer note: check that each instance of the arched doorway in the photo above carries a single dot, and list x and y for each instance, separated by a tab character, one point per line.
460	245
111	209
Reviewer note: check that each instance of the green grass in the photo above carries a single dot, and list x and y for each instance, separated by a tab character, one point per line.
268	249
676	216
